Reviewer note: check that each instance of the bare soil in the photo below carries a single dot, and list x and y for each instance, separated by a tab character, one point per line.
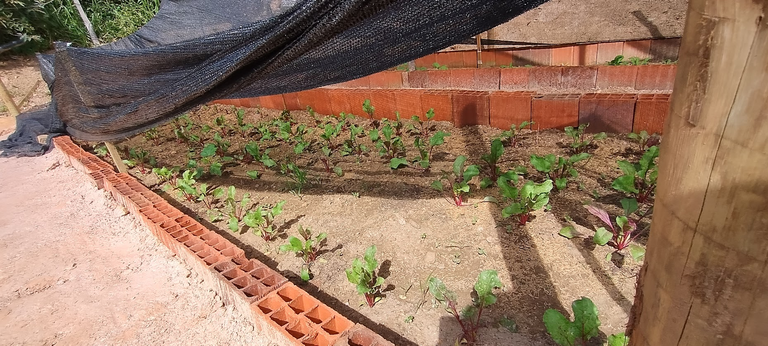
78	270
419	232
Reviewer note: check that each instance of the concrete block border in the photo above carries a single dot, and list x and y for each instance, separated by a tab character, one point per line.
283	313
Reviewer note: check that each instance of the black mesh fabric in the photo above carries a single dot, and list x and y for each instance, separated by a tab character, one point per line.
196	51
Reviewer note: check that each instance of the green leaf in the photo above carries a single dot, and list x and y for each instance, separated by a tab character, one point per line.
626	167
471	172
578	157
215	169
437	185
497	149
461	187
543	163
209	150
507	190
233	224
541	201
370	259
254	218
602	236
585	318
513	209
629	205
621	221
618	340
625	183
486	282
637	252
561	183
647	160
559	328
396	162
439	291
304	273
338	171
567	232
268	162
277	209
379	282
438	138
600	135
253	174
458	165
486	182
508	324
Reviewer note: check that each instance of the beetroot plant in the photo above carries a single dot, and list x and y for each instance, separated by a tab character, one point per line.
262	220
363	275
425	147
424	127
512	135
492	160
559	169
469	317
237	208
644	140
639	179
308	249
580	141
524	200
622	232
458	179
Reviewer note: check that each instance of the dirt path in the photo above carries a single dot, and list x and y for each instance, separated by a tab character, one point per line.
76	270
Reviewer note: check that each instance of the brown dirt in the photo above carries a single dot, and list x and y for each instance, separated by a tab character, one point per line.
418	232
76	270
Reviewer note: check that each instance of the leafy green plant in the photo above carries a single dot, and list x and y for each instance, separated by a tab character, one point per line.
220	123
424	127
639	61
243	127
262	220
387	142
577	332
186	185
352	146
101	150
265	132
295	173
512	135
166	175
152	135
308	249
580	142
559	169
437	66
368	108
458	179
492	159
639	179
524	200
617	61
469	317
237	208
253	153
141	158
363	275
328	163
425	147
208	196
623	232
644	140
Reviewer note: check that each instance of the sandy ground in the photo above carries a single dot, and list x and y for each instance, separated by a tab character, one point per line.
76	270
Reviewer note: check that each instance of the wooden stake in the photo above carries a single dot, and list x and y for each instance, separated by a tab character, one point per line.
706	272
8	100
479	52
88	26
116	157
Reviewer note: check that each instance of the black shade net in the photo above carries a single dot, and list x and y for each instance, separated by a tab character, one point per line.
196	51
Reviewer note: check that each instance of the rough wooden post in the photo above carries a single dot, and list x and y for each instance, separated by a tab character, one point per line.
706	278
8	100
116	157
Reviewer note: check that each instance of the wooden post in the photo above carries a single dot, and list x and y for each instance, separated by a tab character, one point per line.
479	52
705	281
8	100
116	157
88	26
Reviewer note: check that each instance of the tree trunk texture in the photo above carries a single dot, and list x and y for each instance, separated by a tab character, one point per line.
705	281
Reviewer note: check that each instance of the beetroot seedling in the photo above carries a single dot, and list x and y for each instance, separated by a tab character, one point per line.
308	249
262	220
528	198
580	142
253	153
559	169
623	232
425	148
363	275
512	136
237	208
469	317
387	142
208	197
492	159
186	185
577	332
459	179
424	127
644	140
639	179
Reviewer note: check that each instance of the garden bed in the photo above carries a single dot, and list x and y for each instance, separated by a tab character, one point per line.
419	231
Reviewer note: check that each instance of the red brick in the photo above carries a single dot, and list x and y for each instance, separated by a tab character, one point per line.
418	79
555	111
579	77
408	102
338	101
272	102
514	78
469	58
509	107
470	108
613	113
616	77
354	101
503	57
320	101
386	80
651	112
362	82
584	55
426	61
639	49
487	79
251	102
608	51
545	77
656	77
562	56
385	104
450	59
489	58
533	57
292	102
439	79
442	103
462	78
